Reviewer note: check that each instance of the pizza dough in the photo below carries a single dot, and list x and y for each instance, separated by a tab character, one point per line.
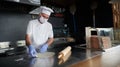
45	55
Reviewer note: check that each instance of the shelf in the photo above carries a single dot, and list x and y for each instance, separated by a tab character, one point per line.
16	7
27	2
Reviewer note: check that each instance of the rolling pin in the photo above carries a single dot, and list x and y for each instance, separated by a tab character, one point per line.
65	58
64	52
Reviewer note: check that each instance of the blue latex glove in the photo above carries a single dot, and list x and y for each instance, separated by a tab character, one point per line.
44	48
32	51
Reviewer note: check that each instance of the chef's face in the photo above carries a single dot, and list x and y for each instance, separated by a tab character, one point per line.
43	18
44	15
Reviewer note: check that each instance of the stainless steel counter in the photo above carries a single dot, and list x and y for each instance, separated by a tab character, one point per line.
23	60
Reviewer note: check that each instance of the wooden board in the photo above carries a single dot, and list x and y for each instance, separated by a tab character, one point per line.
106	42
94	42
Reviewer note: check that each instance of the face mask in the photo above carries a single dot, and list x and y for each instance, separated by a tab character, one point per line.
43	20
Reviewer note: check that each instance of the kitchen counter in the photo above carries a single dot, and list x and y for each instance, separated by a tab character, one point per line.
110	58
23	60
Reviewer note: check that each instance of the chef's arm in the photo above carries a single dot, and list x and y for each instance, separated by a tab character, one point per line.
27	38
50	41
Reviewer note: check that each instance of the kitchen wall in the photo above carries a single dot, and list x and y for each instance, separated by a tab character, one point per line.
13	25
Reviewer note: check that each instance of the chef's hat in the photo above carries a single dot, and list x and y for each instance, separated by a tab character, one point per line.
46	10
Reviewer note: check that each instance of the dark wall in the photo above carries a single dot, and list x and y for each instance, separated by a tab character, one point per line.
56	21
84	17
13	26
104	14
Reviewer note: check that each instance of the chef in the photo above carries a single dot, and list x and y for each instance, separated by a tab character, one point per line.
39	33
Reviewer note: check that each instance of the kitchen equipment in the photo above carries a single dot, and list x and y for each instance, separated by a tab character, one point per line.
20	50
4	44
5	49
21	43
21	47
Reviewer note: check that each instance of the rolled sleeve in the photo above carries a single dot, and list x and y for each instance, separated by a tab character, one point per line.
29	28
51	35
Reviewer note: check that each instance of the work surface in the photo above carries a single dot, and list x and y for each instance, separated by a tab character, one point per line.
78	58
110	58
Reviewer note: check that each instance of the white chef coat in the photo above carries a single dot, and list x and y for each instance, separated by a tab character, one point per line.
39	33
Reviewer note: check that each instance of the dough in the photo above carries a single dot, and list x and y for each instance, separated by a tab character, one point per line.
45	55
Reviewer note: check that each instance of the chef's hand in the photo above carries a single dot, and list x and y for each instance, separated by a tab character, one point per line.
32	51
43	48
